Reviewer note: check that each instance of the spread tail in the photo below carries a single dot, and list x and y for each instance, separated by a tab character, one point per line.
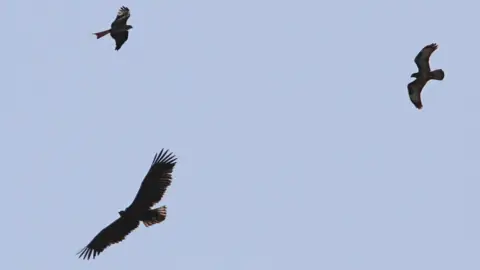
155	216
438	74
101	34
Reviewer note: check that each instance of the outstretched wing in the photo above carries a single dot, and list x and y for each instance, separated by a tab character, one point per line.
423	57
120	39
122	17
155	183
415	90
112	234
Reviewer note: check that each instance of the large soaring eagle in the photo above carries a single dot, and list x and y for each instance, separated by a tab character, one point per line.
423	75
151	192
119	28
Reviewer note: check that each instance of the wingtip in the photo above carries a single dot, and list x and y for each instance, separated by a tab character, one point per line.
87	253
165	155
82	253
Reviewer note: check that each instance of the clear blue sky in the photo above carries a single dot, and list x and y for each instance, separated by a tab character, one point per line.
297	145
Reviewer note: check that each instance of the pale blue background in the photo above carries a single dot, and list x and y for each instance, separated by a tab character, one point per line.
298	146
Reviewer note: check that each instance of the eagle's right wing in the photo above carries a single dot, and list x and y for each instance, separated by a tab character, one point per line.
120	39
112	234
423	57
155	183
122	17
414	91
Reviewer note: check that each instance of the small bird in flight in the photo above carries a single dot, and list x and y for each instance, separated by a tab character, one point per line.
119	28
423	75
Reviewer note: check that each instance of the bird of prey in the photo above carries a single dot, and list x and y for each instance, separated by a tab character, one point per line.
151	192
423	75
119	28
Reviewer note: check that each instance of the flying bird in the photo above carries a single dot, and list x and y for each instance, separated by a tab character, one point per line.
151	192
119	28
423	75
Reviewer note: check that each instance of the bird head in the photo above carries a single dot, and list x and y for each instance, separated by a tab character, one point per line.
129	27
414	75
121	213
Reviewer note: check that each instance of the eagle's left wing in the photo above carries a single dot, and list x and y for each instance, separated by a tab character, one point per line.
415	90
112	234
122	17
423	57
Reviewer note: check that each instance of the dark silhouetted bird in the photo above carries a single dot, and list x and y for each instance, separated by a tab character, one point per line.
151	192
119	28
423	75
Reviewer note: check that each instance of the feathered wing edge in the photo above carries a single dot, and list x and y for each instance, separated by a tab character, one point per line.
164	157
87	252
415	92
114	233
123	10
122	17
163	162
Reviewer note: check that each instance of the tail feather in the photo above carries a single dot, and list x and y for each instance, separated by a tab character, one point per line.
155	216
438	74
101	34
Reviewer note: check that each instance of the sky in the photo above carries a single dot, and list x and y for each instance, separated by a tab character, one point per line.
297	144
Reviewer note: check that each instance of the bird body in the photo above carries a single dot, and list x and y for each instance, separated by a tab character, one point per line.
151	191
423	75
119	28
